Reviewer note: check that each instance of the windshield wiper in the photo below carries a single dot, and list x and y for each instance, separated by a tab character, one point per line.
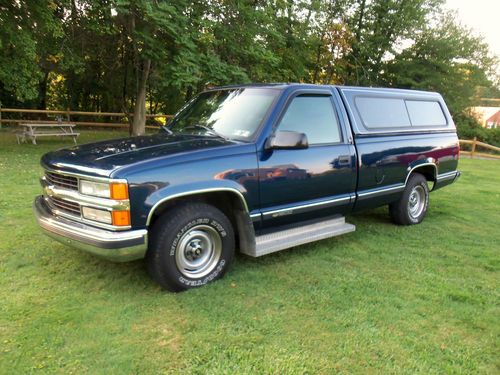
165	128
208	130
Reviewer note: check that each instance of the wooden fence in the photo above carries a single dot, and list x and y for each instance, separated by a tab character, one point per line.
119	119
473	152
65	117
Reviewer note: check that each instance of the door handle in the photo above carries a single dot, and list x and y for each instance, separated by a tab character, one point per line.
345	160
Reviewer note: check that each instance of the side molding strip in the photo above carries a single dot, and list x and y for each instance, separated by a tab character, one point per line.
291	210
447	176
382	191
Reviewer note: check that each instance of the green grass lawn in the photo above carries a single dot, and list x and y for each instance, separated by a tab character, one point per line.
384	299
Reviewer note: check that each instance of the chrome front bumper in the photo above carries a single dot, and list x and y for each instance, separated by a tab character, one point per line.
115	246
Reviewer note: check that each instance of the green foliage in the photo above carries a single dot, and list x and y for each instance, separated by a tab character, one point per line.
382	300
378	26
104	55
446	58
468	128
26	30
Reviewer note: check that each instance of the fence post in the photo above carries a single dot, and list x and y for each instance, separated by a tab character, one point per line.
473	147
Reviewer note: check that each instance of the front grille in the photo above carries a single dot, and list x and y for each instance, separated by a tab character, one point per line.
63	205
60	180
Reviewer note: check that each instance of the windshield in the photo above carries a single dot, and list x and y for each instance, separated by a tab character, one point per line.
232	113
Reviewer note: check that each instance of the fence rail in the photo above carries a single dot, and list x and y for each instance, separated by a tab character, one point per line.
68	117
475	143
125	116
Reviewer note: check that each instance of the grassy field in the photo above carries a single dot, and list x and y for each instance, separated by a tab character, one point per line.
384	299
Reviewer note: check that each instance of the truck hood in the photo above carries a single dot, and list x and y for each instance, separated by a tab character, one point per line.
102	158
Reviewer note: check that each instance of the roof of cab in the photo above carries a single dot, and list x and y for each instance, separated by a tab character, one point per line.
283	85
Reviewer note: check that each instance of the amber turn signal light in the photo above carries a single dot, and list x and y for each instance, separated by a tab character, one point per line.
119	190
121	218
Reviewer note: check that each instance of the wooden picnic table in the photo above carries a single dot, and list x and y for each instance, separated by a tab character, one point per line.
34	130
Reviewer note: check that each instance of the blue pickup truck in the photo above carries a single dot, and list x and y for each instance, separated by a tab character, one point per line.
260	168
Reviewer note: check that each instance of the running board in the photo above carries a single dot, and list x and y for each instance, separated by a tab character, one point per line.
300	234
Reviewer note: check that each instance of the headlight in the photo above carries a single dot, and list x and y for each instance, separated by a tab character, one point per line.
96	189
115	190
101	216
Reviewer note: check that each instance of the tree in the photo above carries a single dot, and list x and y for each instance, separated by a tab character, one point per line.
144	56
29	31
156	31
446	58
378	27
332	43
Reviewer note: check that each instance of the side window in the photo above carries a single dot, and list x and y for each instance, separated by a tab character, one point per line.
382	112
425	113
313	115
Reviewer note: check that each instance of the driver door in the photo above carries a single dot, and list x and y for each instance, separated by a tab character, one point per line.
299	184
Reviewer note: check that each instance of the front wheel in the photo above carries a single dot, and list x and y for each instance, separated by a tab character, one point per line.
412	206
191	245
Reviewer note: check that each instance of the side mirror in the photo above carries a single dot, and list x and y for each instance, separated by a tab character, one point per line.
286	140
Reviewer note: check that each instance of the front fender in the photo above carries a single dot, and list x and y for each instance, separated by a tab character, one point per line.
164	195
243	224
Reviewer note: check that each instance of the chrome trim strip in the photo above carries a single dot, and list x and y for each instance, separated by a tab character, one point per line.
290	210
86	177
84	200
403	132
255	217
381	191
194	192
410	170
447	176
116	246
63	214
63	181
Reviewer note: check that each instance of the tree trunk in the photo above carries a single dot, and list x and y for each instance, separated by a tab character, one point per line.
317	67
139	120
42	92
355	63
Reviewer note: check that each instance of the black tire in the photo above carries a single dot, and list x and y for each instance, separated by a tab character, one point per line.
404	212
184	236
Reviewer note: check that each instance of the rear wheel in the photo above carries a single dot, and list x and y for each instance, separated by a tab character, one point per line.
191	245
413	204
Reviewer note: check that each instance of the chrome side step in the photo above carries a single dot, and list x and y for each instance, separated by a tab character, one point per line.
299	234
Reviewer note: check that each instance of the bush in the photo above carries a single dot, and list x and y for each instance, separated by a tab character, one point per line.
468	127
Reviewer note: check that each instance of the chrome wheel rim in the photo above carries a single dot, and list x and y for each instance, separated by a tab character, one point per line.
198	251
416	201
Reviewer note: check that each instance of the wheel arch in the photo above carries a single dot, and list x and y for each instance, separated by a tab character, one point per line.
428	170
229	200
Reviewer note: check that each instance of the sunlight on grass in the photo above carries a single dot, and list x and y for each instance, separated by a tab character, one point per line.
384	299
